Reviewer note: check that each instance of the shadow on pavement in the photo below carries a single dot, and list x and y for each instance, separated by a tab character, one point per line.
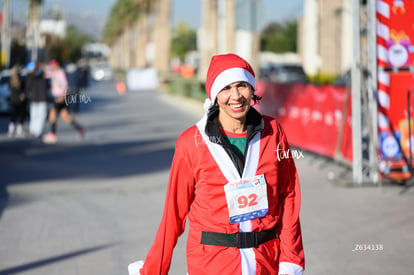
52	260
24	161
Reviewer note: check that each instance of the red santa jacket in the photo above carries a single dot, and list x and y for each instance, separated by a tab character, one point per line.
196	190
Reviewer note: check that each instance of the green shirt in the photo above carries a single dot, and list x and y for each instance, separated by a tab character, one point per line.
237	142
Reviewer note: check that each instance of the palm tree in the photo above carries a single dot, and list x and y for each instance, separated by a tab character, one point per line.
125	20
208	46
131	19
123	14
162	35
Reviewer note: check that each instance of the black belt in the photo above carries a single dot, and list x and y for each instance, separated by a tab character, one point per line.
239	240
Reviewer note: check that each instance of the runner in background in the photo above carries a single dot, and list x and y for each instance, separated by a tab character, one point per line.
59	86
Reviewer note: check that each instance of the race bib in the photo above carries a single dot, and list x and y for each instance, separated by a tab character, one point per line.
246	199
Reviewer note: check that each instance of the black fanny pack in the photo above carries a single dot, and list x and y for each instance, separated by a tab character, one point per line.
239	240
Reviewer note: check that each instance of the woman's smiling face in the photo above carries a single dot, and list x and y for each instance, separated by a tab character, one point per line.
234	101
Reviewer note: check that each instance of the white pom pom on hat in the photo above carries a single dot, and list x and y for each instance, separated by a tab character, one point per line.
226	69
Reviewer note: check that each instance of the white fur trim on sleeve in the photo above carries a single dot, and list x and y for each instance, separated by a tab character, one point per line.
289	268
135	267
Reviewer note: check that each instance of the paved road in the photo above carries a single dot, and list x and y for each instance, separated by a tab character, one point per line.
92	207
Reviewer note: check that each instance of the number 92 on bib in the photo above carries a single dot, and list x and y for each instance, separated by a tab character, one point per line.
246	199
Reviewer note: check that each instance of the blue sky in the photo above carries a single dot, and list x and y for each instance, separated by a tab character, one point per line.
188	10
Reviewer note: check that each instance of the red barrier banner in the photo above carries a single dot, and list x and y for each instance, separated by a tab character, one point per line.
315	118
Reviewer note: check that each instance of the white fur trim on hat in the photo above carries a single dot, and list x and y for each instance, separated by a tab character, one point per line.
230	76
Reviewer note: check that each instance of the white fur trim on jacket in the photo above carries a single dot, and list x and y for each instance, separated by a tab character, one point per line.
290	268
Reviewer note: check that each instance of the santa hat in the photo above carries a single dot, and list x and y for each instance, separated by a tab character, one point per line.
224	70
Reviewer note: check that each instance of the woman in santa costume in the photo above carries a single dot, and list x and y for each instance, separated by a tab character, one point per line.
241	201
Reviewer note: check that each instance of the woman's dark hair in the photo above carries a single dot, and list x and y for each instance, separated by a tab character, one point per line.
213	108
256	98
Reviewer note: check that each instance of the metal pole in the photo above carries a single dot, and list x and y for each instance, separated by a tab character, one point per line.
409	131
356	96
372	90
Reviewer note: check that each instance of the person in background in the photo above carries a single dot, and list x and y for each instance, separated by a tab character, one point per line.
18	103
71	70
83	74
59	86
241	201
37	88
